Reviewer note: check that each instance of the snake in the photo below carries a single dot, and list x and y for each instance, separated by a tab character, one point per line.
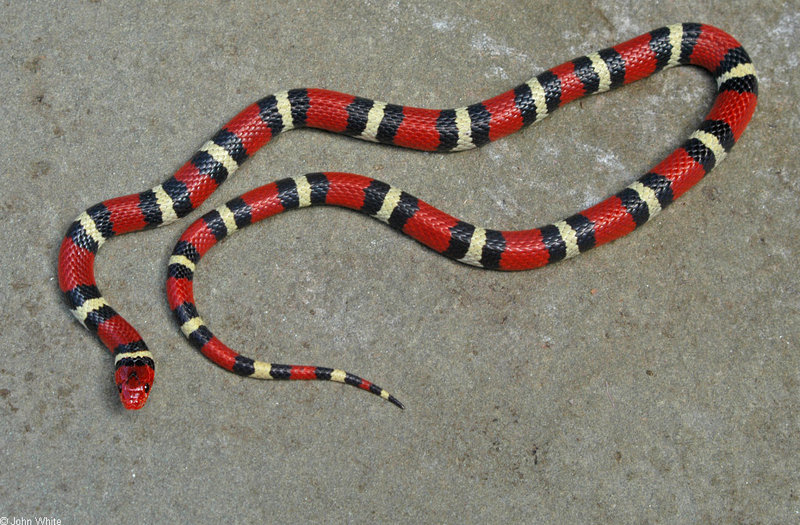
433	130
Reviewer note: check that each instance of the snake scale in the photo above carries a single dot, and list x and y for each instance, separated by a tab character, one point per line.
423	129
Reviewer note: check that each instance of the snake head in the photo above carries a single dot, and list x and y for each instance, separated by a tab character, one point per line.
134	378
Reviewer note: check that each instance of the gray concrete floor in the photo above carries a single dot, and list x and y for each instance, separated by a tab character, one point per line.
653	380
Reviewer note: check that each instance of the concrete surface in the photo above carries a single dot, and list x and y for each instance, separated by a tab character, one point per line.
654	380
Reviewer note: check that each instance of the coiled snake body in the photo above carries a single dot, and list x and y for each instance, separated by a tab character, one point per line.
424	129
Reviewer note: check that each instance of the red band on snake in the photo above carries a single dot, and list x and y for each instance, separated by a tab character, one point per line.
423	129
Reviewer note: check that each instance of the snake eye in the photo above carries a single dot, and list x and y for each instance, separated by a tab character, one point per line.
146	388
119	388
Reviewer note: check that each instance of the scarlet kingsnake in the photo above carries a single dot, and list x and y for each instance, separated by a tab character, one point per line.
423	129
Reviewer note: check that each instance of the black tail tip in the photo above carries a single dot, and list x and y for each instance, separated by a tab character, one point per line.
396	402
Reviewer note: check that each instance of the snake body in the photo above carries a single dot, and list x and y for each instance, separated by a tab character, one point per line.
423	129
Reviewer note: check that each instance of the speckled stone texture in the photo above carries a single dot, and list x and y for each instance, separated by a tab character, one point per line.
653	380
